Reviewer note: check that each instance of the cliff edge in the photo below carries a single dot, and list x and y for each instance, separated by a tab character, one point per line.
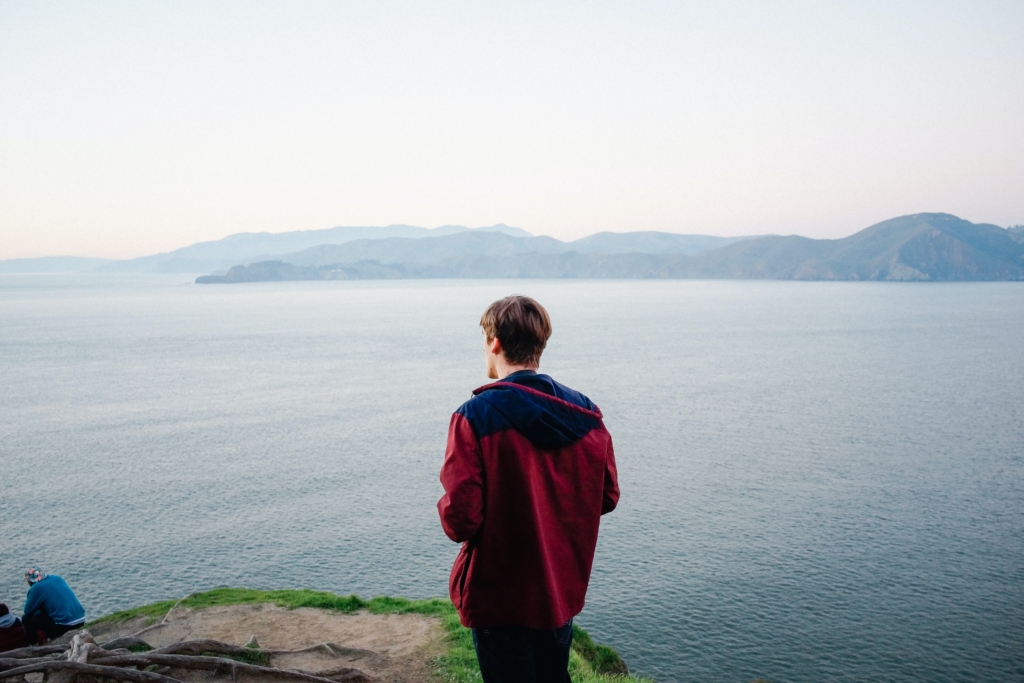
391	640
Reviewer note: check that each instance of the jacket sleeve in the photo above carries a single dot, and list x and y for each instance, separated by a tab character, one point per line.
611	481
462	506
33	601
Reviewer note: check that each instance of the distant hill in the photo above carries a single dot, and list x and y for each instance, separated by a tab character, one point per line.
52	264
925	246
525	265
427	250
248	246
648	243
388	244
921	247
449	248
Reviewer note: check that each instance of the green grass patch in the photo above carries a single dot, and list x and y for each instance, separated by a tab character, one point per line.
601	658
253	656
589	662
153	612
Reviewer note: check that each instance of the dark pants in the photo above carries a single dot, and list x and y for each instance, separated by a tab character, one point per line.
514	654
43	622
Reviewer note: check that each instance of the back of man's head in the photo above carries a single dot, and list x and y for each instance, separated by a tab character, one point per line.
523	327
34	575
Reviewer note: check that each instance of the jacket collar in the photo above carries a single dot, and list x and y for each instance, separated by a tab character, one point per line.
512	376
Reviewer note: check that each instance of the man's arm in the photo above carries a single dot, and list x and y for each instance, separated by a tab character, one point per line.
611	481
462	506
32	601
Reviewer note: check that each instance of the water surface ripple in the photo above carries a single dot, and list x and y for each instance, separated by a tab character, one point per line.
821	481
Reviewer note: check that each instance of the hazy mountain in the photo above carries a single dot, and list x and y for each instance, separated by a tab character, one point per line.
648	243
474	254
925	246
427	250
523	265
265	271
440	250
390	244
248	246
52	264
919	247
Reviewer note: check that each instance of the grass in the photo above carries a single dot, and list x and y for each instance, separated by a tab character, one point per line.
256	656
589	662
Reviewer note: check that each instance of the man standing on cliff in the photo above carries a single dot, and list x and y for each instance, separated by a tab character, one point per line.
527	474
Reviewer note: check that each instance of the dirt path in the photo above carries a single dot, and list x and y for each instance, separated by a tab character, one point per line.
393	648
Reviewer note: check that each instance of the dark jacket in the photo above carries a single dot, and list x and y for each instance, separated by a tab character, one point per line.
527	474
12	634
54	598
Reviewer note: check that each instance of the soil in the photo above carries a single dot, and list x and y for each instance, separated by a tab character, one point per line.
392	648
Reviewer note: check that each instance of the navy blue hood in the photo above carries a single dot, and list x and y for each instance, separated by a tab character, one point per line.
547	413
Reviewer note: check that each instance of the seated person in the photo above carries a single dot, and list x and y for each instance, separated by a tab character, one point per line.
51	608
12	634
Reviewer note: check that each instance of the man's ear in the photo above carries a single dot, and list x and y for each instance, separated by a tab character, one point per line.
495	346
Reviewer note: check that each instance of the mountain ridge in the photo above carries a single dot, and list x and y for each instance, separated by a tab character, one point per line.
249	247
917	247
925	246
446	247
244	246
53	264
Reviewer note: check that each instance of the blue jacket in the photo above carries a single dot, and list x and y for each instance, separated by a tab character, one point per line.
52	596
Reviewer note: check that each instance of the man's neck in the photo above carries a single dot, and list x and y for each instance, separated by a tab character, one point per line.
531	371
506	370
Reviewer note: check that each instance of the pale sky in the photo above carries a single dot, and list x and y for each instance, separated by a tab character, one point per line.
128	128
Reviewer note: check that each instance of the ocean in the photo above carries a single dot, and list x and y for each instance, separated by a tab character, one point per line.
820	481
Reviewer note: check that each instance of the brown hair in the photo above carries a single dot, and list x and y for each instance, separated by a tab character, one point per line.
522	325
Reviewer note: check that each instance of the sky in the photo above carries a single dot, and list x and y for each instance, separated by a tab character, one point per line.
130	128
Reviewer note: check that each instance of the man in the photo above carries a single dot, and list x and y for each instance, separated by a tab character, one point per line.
527	474
51	607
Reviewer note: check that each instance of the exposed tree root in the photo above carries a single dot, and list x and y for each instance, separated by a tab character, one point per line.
198	647
127	643
35	651
90	669
112	660
221	664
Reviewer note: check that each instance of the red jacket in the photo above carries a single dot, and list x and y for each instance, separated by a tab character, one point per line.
12	635
527	474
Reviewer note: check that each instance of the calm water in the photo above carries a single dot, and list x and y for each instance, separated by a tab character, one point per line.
821	482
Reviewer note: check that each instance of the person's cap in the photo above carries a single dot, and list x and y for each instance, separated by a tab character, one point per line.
34	575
